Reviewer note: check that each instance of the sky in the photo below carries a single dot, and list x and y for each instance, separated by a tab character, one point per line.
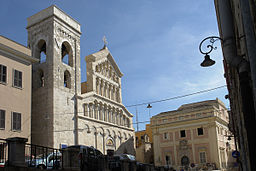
154	43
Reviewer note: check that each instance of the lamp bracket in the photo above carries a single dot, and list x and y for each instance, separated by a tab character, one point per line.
210	46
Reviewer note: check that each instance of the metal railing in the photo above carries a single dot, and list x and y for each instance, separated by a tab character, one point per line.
43	157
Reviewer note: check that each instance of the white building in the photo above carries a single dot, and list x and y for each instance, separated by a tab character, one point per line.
64	111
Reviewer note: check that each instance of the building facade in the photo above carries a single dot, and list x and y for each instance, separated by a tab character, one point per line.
237	28
144	146
64	110
15	89
195	135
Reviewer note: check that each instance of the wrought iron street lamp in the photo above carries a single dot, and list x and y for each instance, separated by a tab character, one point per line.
207	60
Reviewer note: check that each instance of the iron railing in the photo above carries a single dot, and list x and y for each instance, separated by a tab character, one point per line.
43	157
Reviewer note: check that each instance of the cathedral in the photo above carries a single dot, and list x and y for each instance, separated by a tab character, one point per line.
64	110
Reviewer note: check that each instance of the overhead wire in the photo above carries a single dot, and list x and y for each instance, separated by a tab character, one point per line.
177	97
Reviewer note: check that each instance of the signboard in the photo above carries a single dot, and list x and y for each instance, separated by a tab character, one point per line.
235	154
192	165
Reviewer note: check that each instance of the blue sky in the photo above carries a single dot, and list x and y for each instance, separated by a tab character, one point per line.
154	42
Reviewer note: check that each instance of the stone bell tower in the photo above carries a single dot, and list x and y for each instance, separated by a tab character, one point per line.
54	38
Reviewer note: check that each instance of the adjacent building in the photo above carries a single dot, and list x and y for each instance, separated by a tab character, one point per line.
15	89
237	27
64	110
195	135
144	146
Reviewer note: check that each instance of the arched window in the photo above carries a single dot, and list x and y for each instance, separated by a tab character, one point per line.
66	54
67	79
41	78
41	51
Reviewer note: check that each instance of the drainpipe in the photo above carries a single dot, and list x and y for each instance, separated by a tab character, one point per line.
75	103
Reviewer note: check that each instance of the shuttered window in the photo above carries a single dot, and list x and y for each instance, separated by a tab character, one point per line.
17	80
16	121
3	73
2	119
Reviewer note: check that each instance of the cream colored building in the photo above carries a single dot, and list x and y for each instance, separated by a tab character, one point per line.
66	111
194	134
15	89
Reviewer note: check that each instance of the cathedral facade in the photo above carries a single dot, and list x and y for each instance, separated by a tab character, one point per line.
64	110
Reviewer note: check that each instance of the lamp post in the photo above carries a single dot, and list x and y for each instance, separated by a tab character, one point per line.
210	46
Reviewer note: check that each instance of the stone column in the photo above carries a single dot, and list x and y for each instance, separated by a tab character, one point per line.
114	93
90	110
110	91
97	86
107	90
16	151
85	109
96	110
117	117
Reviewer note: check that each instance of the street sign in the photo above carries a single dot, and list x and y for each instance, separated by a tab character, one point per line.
235	154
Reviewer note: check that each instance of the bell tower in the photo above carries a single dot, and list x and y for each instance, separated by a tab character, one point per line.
54	38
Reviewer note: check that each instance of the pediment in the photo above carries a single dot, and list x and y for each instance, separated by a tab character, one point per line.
105	63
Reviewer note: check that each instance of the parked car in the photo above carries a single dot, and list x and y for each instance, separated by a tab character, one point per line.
51	161
115	161
88	158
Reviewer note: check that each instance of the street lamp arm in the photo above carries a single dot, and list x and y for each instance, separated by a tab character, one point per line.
210	46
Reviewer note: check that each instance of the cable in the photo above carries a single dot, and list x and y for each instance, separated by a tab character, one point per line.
177	97
157	101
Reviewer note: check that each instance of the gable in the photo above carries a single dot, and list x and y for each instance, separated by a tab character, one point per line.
105	63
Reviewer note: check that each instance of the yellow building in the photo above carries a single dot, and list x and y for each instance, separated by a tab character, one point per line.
195	135
144	139
144	136
15	89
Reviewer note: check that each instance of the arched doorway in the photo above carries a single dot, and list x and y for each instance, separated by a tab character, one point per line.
185	161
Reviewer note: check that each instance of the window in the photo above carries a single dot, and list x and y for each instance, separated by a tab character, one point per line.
165	135
198	115
182	133
3	73
16	121
41	76
67	79
2	119
202	157
200	131
41	51
17	80
66	54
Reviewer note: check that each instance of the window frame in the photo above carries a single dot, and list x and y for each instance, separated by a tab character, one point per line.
181	136
18	79
165	136
2	74
2	113
202	158
16	124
